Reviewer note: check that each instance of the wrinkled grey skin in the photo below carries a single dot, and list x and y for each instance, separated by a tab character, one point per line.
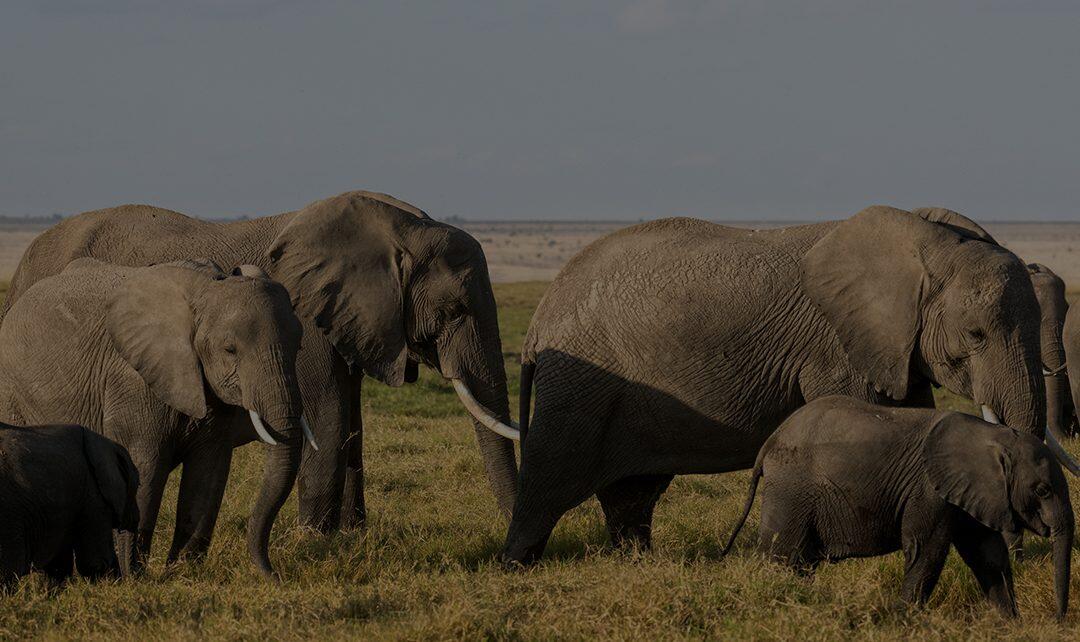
678	346
844	478
167	361
378	286
63	490
1050	292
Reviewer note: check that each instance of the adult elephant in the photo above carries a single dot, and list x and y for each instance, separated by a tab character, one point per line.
678	346
1050	292
163	360
378	286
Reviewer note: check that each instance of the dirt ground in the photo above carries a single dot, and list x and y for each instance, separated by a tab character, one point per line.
535	251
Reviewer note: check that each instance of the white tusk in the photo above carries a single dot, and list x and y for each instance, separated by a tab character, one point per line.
482	415
1062	455
307	433
1046	372
1052	443
263	433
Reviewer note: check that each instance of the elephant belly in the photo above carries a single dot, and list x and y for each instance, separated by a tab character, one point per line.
825	520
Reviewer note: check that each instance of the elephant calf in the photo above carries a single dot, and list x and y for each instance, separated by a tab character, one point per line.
844	478
63	489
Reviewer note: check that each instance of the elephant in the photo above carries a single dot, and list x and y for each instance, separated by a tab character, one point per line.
844	478
678	345
63	490
178	363
378	286
1050	293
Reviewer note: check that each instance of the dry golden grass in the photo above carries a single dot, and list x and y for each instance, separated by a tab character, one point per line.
424	569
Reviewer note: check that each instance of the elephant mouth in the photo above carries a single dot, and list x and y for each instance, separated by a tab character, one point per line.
1052	442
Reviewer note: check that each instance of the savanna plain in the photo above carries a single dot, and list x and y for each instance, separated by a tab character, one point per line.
424	567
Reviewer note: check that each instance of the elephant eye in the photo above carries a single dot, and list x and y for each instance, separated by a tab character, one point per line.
1042	491
230	348
977	336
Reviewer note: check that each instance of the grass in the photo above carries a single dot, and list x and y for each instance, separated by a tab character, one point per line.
424	569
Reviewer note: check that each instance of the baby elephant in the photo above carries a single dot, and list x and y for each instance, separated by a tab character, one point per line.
843	478
63	489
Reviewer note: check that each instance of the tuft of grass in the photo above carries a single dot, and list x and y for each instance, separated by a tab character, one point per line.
424	568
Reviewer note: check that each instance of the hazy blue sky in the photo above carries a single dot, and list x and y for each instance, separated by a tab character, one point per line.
741	109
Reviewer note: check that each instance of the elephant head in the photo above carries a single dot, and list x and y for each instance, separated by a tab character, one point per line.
189	329
1006	480
1050	292
389	286
910	298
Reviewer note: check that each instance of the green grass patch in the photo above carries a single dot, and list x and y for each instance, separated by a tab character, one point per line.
423	569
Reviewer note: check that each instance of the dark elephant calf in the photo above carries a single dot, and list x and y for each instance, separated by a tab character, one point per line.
63	489
843	478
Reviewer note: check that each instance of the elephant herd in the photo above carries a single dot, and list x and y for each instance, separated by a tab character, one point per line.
679	346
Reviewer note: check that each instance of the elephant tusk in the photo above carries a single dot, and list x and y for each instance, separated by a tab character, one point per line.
307	433
1052	443
482	415
1047	372
1062	455
260	429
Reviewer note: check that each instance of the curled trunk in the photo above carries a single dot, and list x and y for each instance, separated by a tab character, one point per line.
279	474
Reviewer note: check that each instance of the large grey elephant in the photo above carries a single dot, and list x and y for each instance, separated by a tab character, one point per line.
178	363
678	346
63	489
378	286
1050	292
844	478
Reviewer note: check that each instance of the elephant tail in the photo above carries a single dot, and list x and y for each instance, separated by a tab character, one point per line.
525	396
751	492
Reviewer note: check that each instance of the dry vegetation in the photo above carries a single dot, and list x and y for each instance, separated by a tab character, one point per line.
424	569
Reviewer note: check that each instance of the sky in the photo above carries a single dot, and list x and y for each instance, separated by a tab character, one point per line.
568	110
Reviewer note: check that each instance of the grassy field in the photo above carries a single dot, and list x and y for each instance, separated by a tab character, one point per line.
423	568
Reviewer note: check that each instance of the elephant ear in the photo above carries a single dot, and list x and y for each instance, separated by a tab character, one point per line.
150	322
341	259
956	222
867	277
969	466
115	475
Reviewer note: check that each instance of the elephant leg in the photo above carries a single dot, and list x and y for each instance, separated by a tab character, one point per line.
986	554
925	548
550	483
61	567
153	475
628	508
792	540
353	509
324	383
1015	543
14	558
202	486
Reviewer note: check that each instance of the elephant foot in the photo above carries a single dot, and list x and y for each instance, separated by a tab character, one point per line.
193	551
634	539
353	509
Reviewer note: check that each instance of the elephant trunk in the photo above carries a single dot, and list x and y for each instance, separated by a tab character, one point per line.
279	474
472	356
1058	394
1062	535
275	409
